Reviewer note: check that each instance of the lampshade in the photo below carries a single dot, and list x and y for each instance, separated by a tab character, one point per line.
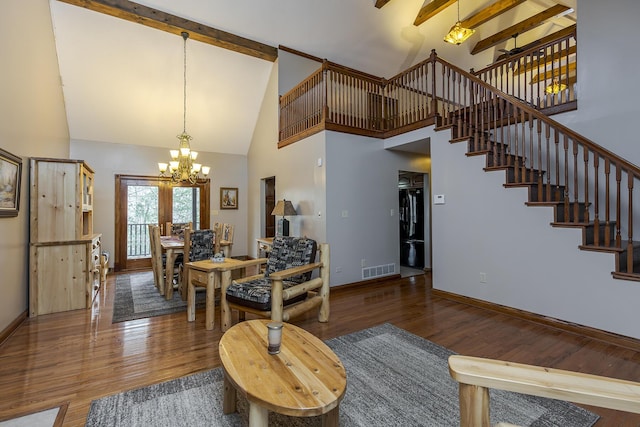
284	208
458	34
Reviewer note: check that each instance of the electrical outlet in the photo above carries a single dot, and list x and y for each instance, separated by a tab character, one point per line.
483	277
338	269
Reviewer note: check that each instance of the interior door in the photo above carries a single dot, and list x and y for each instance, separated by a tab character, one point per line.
269	204
141	201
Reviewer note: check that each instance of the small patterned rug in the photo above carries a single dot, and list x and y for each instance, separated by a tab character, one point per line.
394	378
136	297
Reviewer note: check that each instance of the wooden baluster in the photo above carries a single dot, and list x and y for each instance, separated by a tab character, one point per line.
618	186
630	224
556	142
586	183
607	207
596	201
522	120
547	134
532	166
576	199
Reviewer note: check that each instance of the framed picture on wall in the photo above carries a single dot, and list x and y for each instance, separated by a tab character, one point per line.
10	174
228	198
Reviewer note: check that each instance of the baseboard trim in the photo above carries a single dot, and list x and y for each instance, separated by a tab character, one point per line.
6	333
586	331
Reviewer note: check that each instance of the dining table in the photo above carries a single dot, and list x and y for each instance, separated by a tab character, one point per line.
172	246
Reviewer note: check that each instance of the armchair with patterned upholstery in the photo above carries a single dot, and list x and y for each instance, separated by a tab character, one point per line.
287	287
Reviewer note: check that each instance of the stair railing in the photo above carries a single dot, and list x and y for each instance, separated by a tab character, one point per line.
543	76
590	184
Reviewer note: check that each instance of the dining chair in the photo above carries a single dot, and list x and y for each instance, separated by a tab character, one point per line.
156	257
198	246
177	228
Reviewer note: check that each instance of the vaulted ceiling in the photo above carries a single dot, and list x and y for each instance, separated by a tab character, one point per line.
121	63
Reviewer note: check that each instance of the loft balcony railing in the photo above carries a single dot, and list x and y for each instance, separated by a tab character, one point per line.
593	187
345	100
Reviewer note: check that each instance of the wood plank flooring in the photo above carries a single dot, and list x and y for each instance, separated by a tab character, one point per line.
79	356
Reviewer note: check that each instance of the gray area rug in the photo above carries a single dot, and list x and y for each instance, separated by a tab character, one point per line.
136	297
394	378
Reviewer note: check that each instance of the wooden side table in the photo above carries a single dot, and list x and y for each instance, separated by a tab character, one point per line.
264	246
212	275
305	379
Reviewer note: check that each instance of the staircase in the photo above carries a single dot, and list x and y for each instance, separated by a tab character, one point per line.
586	186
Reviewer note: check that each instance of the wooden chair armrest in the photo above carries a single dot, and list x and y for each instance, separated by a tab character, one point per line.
294	271
559	384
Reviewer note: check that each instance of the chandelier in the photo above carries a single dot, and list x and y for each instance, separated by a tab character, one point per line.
182	166
457	34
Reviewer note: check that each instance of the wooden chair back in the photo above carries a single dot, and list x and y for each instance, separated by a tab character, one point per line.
177	228
156	257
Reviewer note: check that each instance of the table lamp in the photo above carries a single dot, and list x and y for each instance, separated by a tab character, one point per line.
283	208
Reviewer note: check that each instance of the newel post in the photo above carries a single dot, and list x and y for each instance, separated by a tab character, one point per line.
433	58
325	87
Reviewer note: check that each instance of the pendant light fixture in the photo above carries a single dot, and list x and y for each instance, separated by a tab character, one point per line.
457	34
182	167
555	87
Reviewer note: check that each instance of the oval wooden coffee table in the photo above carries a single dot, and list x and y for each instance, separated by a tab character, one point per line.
305	379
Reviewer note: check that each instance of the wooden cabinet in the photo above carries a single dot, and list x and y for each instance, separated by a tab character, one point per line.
64	262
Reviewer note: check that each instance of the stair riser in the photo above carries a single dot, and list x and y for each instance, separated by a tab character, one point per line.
556	194
571	210
590	231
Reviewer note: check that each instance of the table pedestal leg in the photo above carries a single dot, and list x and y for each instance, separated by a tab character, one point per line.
225	312
191	297
210	303
331	418
258	416
228	397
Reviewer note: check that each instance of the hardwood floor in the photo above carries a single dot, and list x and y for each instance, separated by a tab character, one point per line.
78	356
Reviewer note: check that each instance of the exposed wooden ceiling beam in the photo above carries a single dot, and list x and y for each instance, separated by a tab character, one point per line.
432	9
545	61
160	20
519	28
565	32
490	12
380	3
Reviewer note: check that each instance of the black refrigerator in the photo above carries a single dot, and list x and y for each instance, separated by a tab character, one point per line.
411	213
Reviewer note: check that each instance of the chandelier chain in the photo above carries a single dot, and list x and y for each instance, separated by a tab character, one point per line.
185	36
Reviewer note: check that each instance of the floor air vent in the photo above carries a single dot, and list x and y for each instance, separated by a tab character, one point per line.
378	271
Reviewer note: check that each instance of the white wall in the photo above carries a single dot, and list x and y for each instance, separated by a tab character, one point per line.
607	64
362	192
486	228
108	160
32	123
298	178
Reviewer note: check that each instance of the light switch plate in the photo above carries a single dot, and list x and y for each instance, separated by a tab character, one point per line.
438	199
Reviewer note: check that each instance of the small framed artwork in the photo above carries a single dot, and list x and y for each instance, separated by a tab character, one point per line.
10	174
228	198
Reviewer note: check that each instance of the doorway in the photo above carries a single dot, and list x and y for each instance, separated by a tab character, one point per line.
141	201
413	221
269	204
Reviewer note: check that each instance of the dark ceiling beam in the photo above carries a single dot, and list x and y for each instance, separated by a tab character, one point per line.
160	20
537	63
519	28
432	9
565	32
490	12
380	3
